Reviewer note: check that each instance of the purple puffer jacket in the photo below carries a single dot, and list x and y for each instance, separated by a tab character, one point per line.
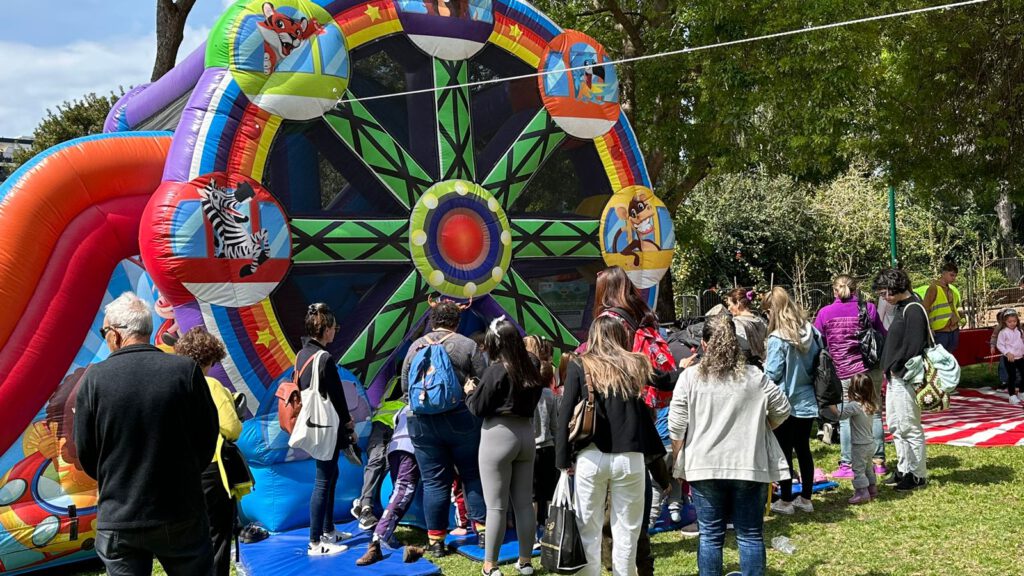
838	324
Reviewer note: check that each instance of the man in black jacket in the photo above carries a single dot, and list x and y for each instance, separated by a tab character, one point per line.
145	428
907	338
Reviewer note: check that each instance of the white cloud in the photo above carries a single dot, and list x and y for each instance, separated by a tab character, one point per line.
36	78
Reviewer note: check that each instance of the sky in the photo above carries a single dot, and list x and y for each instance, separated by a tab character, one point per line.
56	50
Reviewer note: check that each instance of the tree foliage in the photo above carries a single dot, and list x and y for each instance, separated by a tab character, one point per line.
783	106
72	119
752	228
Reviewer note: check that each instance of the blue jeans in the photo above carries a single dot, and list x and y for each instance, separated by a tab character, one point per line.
446	443
949	340
718	502
321	502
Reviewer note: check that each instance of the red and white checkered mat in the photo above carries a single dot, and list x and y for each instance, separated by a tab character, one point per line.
981	417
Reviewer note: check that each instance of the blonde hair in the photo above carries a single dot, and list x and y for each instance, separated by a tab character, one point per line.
785	317
723	357
844	287
612	367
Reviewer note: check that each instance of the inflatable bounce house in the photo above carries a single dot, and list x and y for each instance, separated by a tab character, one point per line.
363	153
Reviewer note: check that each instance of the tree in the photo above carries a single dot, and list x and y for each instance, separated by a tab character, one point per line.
784	106
949	115
170	31
72	119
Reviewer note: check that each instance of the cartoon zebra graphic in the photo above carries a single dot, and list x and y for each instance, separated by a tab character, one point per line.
232	239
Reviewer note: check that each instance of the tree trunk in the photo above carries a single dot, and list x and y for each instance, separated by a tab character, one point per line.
170	31
1004	212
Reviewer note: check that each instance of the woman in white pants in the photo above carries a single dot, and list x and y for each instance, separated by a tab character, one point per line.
612	464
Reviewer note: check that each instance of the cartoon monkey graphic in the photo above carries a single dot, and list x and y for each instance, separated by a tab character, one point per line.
638	218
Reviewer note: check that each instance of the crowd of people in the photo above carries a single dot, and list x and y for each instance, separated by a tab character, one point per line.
717	426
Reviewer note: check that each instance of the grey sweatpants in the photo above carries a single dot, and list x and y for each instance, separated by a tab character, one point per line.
506	469
904	418
863	465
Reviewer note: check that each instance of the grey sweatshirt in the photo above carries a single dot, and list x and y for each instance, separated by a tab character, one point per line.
725	426
465	357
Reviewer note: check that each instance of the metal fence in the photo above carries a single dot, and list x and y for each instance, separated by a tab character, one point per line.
986	287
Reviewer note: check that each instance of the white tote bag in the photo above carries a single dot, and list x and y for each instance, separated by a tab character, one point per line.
316	430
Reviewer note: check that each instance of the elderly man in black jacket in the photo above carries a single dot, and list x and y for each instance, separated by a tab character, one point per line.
145	428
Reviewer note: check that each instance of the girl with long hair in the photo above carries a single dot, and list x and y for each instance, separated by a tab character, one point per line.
612	462
545	475
860	405
718	419
793	344
321	327
750	328
506	399
615	292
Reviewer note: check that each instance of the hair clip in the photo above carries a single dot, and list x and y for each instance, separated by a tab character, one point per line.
493	328
462	307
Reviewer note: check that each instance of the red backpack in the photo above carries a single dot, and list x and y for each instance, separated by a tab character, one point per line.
648	341
289	398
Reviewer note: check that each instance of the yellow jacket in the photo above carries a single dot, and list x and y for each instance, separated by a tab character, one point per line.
943	315
230	425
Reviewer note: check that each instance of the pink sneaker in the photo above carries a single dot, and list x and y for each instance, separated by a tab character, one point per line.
844	472
880	469
873	491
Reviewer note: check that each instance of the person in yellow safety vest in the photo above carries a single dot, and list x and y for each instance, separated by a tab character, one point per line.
382	427
942	301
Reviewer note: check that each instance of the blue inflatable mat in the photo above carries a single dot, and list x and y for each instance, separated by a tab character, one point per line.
468	547
665	524
819	487
284	554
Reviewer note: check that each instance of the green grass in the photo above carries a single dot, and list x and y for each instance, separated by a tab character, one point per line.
967	521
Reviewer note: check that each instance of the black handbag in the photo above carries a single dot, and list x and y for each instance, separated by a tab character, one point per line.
869	340
828	388
236	470
561	548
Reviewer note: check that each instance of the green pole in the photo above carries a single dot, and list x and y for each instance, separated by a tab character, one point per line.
892	226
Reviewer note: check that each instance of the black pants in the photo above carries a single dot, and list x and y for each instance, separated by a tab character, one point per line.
794	435
183	549
545	478
1014	373
644	554
220	511
376	465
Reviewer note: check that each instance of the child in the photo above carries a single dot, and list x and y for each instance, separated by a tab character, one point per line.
992	343
545	476
859	409
405	476
1011	345
376	450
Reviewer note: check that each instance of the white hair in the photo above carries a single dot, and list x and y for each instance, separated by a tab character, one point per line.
131	315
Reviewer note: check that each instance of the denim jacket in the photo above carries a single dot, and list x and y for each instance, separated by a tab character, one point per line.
793	370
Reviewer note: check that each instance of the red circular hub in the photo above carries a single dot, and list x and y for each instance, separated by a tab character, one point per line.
462	238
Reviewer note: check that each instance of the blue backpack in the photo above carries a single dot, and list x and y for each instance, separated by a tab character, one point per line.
434	387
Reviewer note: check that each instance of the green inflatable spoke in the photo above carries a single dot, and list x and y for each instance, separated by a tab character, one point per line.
367	354
382	154
454	133
555	239
318	241
524	307
514	170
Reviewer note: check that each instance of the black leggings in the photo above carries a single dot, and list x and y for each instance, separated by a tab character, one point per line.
795	435
1014	373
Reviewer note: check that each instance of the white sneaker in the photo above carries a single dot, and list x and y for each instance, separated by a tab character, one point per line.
780	507
675	513
325	549
357	508
1015	400
690	530
803	504
333	537
524	570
